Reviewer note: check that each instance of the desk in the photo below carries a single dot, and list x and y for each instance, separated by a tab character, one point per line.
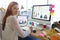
37	35
49	33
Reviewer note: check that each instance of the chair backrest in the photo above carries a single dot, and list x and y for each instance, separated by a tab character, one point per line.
0	31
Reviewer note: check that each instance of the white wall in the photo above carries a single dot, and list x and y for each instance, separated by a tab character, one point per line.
57	9
28	4
5	3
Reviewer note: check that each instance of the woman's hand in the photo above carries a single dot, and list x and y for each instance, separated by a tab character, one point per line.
31	28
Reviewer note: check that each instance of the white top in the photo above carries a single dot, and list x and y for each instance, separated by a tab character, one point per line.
12	30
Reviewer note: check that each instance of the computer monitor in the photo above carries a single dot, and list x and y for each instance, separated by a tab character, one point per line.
41	12
23	19
41	15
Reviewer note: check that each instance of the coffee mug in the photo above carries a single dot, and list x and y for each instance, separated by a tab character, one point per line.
44	26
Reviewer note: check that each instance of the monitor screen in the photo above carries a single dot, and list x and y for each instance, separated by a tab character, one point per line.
22	19
41	12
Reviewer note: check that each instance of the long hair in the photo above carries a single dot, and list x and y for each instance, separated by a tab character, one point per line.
8	13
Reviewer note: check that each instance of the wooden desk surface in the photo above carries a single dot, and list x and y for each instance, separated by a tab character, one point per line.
44	37
37	35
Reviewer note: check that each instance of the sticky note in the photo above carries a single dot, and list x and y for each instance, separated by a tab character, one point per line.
52	6
52	14
52	11
41	34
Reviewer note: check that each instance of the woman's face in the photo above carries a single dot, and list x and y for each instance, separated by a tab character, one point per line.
15	9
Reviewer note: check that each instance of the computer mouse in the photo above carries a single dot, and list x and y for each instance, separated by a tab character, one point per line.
34	31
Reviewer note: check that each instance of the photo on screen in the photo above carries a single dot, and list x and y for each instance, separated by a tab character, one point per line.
22	19
41	12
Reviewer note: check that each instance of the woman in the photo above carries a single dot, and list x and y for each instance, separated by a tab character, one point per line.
10	25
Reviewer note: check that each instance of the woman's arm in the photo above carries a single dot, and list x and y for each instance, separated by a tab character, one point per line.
17	28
